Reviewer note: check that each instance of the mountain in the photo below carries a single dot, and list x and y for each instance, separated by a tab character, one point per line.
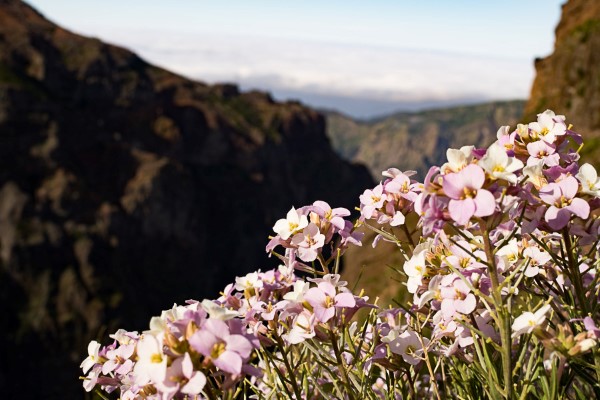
125	188
568	80
417	140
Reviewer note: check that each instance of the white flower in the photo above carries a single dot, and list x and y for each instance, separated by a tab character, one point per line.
303	328
510	251
294	222
409	346
124	337
590	183
536	257
527	322
297	295
535	175
415	269
217	311
151	365
548	127
499	165
92	358
502	132
457	159
249	281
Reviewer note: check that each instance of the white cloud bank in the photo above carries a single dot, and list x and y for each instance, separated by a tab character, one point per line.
359	80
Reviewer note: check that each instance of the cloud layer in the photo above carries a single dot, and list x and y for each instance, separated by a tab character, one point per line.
359	80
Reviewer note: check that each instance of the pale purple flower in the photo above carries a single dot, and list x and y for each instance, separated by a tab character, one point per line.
118	360
542	152
350	236
506	139
457	298
332	215
226	351
371	200
91	379
591	327
467	198
309	242
402	186
563	203
324	299
182	378
431	212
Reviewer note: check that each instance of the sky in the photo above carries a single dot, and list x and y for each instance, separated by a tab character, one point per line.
364	58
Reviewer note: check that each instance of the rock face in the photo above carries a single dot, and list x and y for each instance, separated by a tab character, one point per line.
415	141
568	81
125	188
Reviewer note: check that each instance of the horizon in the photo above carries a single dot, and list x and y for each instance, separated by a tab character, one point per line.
362	60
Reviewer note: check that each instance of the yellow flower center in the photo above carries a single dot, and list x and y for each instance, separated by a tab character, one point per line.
217	350
328	302
468	193
563	202
156	358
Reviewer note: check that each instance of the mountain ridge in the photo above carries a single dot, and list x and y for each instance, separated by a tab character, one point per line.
125	188
417	140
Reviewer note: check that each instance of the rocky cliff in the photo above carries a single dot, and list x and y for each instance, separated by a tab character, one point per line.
568	81
125	188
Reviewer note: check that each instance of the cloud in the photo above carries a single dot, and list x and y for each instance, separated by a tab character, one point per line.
313	70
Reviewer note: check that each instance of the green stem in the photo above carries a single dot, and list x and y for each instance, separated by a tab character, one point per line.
575	273
284	353
503	316
341	364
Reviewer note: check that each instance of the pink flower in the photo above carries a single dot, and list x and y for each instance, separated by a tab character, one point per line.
371	200
332	215
324	300
309	241
457	298
225	350
561	198
467	198
182	377
506	139
543	152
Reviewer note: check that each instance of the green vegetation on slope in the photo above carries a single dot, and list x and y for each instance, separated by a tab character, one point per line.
415	141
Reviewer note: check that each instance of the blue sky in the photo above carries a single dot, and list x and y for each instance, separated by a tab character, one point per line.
362	57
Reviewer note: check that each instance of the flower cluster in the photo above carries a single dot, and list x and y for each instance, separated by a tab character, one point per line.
305	232
173	357
501	251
